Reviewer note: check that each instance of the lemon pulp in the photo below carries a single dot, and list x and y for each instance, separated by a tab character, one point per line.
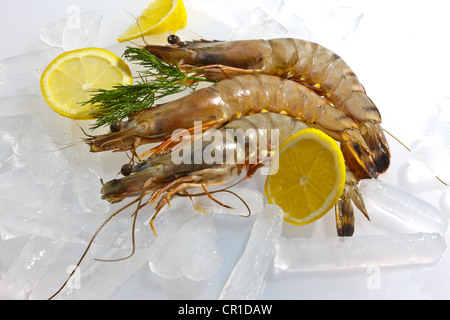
307	176
69	80
158	17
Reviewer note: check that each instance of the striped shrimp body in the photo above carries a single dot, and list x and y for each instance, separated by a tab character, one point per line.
249	147
234	98
302	61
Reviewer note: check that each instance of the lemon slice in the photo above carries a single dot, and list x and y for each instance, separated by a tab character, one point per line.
70	79
306	177
160	16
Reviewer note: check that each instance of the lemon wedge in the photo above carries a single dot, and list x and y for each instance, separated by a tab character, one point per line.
69	80
160	16
306	177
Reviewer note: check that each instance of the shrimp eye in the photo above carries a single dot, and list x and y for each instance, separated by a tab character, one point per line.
126	169
173	39
116	126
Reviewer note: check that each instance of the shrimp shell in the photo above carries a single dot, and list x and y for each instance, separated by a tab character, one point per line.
234	98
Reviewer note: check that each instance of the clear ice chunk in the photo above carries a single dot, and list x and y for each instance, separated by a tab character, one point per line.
246	279
26	270
55	126
253	198
19	75
445	200
393	208
295	26
23	104
258	25
323	254
432	149
237	19
79	30
345	21
186	246
444	109
33	158
94	280
329	26
87	174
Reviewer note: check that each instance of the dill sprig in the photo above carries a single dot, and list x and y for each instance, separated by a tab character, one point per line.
158	79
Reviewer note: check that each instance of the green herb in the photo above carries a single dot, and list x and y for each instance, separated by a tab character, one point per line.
159	79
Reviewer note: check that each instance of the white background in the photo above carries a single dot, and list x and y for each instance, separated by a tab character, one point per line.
400	53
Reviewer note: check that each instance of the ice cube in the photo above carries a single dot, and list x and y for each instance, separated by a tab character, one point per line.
246	279
78	31
33	161
445	200
303	254
295	26
87	174
330	26
344	20
186	246
56	126
23	104
29	267
258	25
272	7
432	149
30	64
393	208
95	280
238	19
10	247
253	199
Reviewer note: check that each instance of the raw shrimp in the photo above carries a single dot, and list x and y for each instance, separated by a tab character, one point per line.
302	61
232	99
250	147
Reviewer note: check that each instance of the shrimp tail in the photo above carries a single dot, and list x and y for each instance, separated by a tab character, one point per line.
374	136
345	220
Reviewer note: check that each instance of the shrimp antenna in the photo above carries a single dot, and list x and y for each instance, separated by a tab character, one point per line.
401	143
133	242
133	239
396	139
84	131
90	244
243	201
139	27
63	146
215	200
